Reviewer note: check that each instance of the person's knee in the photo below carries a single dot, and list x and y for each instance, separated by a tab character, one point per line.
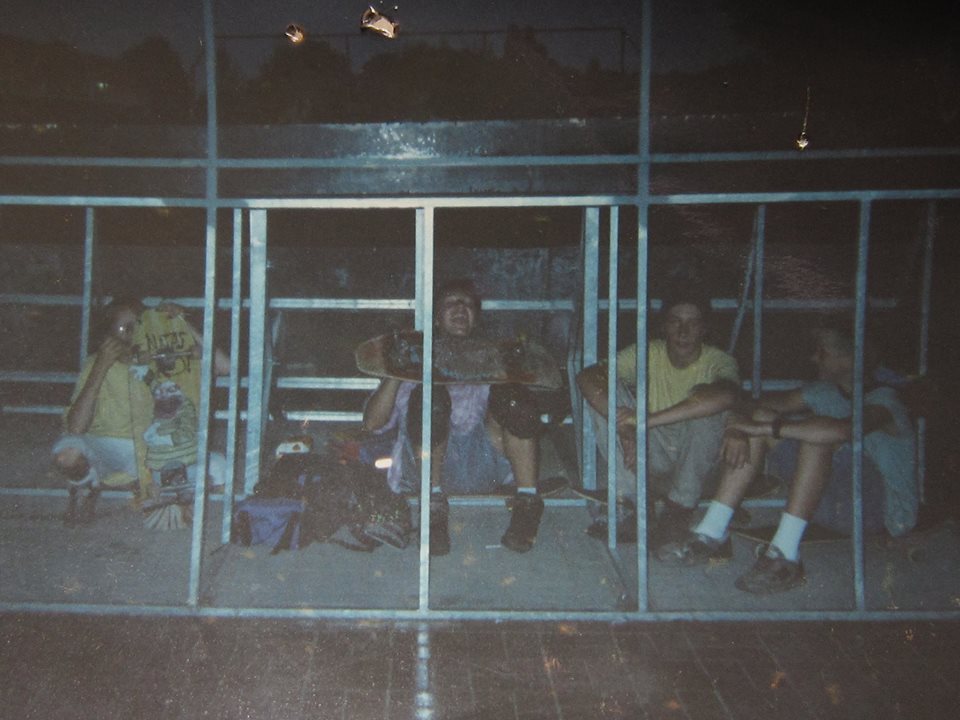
762	414
442	407
515	410
72	463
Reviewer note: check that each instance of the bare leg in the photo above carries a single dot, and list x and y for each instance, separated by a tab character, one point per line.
522	453
70	462
813	471
735	481
436	464
527	508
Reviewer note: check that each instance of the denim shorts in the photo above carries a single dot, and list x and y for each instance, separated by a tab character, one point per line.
835	510
472	465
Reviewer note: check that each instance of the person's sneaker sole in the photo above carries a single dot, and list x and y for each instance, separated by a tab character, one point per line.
769	576
692	552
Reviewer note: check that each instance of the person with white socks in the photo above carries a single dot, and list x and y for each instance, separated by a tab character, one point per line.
805	435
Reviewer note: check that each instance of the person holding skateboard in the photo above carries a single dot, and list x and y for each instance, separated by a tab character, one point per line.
484	435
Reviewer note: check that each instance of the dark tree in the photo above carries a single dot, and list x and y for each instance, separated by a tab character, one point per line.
153	70
306	83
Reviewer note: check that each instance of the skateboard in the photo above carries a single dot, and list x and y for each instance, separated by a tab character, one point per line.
459	360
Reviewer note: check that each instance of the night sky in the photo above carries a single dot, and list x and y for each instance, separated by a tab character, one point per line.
691	34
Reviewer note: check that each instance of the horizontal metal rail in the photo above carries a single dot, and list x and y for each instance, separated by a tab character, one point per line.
402	161
441	615
506	201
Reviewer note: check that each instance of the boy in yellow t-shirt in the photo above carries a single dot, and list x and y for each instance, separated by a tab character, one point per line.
690	388
110	407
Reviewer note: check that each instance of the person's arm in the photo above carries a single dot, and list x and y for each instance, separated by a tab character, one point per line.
592	382
221	361
379	407
736	443
817	429
703	401
81	413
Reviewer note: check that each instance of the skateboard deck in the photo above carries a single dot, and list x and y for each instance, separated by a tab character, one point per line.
813	534
166	353
459	360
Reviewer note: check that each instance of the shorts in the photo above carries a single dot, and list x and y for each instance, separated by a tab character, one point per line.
109	456
835	510
106	455
471	466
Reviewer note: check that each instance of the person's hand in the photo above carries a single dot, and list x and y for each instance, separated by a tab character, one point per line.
735	450
172	309
753	428
626	417
628	442
110	352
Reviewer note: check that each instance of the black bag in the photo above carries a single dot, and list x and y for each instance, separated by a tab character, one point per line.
378	514
332	494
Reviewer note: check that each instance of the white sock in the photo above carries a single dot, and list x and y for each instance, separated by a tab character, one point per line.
789	533
714	523
526	491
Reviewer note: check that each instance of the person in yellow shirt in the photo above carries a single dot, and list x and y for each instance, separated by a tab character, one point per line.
690	389
110	405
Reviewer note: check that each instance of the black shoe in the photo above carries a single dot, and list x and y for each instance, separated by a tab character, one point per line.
88	508
626	523
772	573
439	529
672	526
525	513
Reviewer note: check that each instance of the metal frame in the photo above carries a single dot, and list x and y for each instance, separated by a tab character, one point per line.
425	208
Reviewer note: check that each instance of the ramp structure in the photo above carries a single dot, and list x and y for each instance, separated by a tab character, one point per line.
250	196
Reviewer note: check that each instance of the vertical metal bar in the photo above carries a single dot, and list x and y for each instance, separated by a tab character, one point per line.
591	280
926	286
209	313
272	337
88	240
613	295
257	332
425	241
236	308
756	380
643	208
863	247
419	273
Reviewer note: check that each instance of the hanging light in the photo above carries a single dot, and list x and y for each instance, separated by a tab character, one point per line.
375	21
295	34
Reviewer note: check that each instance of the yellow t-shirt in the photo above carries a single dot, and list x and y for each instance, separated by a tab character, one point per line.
124	401
668	385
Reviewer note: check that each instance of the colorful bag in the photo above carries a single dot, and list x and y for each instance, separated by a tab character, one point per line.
269	521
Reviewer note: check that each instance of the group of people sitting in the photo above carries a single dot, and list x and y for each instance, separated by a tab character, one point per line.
698	426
